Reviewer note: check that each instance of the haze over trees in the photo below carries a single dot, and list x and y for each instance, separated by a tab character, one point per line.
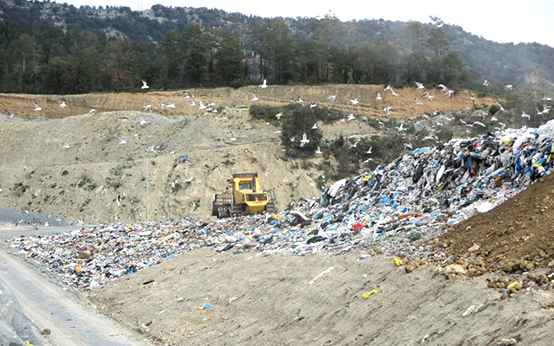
57	48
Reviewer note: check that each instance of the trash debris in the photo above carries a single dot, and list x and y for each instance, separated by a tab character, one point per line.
397	262
370	293
321	274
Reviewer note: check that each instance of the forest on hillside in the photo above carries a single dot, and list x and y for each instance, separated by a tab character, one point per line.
60	49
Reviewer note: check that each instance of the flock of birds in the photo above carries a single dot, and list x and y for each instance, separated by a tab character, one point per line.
304	140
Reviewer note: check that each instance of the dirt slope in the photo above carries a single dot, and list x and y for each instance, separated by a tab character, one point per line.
521	229
403	105
262	299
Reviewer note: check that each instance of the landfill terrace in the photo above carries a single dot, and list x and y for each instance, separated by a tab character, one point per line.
466	208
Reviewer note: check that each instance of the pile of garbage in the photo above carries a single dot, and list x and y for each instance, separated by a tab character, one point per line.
391	209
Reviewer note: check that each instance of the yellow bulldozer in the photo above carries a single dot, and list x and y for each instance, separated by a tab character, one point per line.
243	197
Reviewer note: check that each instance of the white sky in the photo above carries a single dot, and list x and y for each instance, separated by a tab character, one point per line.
501	21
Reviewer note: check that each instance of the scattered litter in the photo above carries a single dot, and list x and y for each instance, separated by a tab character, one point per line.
321	274
370	293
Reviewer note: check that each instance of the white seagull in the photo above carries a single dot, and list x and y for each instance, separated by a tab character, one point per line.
378	98
318	152
66	145
442	86
278	116
122	140
419	85
254	97
304	140
524	115
147	108
333	98
233	138
144	85
314	127
92	111
400	128
63	105
354	101
486	82
369	150
37	108
508	87
264	84
479	123
350	117
387	110
313	104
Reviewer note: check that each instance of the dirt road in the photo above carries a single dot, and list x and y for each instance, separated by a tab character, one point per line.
70	318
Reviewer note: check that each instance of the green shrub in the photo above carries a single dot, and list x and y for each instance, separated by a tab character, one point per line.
493	109
299	121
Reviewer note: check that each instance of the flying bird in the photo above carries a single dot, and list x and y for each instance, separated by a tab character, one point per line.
263	85
524	115
318	152
314	127
387	110
442	86
419	85
144	86
378	98
350	117
313	105
400	128
254	97
479	123
354	101
278	116
92	111
486	82
333	98
147	108
368	150
304	140
37	108
418	102
233	138
508	87
122	140
63	105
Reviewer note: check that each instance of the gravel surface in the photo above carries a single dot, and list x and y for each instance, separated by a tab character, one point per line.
16	218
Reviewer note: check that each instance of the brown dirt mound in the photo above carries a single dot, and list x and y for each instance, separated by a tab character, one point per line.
404	105
518	234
